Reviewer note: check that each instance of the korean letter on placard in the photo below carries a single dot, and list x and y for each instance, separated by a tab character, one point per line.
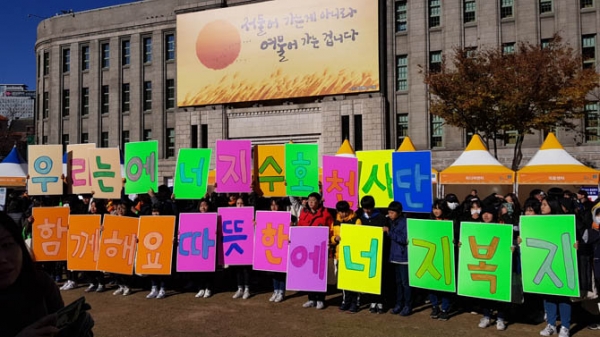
78	168
197	248
49	231
340	181
45	170
141	166
269	167
191	173
237	234
118	244
106	173
155	245
307	262
234	166
360	257
375	169
271	241
302	169
412	180
83	242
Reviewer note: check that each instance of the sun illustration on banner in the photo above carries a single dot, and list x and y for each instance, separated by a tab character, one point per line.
218	44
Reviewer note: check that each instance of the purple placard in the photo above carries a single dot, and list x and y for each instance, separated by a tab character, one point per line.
340	181
197	247
236	233
271	241
234	166
307	262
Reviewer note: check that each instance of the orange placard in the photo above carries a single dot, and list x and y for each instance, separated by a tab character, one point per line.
117	245
83	242
155	247
269	167
50	233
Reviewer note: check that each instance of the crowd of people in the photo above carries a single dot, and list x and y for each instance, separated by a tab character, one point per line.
397	296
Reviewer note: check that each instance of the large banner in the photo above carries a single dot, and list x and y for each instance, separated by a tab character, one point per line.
340	181
155	246
277	49
45	170
237	235
269	167
412	180
431	254
485	261
197	249
307	264
49	233
302	169
191	173
360	262
271	239
234	166
375	168
548	255
118	244
141	166
84	242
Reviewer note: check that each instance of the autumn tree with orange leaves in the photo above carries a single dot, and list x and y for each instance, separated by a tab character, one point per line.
490	92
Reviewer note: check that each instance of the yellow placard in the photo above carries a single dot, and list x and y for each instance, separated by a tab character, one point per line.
106	173
155	247
45	170
375	171
78	168
360	256
269	167
49	233
83	244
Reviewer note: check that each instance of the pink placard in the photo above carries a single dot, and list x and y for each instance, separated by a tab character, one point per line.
340	181
271	241
234	166
307	261
197	248
236	233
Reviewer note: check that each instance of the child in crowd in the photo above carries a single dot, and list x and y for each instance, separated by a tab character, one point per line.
158	282
396	229
204	281
242	273
345	215
278	278
438	212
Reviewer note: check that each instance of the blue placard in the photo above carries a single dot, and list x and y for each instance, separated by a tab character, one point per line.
412	180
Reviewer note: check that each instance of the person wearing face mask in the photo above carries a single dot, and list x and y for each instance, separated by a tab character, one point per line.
474	212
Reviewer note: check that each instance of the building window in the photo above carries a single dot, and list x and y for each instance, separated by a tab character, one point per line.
170	94
147	55
45	140
401	16
66	102
587	3
147	96
170	150
508	48
204	134
125	97
85	57
66	60
39	65
194	137
45	105
104	139
124	138
85	101
470	51
147	134
510	137
435	12
470	7
65	142
85	138
358	133
592	122
46	63
588	51
545	43
105	56
170	46
506	8
545	6
402	72
437	131
435	61
125	52
345	128
104	100
401	127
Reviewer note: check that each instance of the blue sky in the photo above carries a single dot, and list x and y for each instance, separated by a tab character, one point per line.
18	22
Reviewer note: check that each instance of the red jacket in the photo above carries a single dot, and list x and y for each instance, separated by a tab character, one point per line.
319	218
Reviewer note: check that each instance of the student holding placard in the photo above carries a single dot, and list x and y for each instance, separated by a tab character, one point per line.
205	280
242	273
438	212
96	278
397	231
276	205
345	215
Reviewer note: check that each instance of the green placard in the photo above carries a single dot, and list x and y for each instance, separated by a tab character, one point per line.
191	173
301	169
548	255
485	261
141	167
431	254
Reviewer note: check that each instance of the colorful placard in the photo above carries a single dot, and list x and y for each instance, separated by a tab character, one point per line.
340	181
155	245
485	261
141	167
548	255
49	233
45	170
271	240
83	244
118	244
307	262
375	168
234	166
191	173
106	173
360	258
269	167
197	248
411	172
237	234
302	169
431	255
78	168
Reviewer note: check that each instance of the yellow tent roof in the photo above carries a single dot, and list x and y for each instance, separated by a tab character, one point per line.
477	166
408	146
346	150
553	165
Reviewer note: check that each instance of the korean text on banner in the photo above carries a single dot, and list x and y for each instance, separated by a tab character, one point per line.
237	234
271	241
191	173
105	165
84	242
360	257
155	246
45	170
78	168
340	181
307	262
269	167
301	169
485	261
234	166
197	249
412	180
431	255
548	255
118	244
141	166
375	168
49	233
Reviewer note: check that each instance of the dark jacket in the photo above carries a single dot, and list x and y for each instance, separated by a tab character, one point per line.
399	240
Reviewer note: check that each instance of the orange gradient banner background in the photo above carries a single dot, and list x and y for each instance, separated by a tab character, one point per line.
224	55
